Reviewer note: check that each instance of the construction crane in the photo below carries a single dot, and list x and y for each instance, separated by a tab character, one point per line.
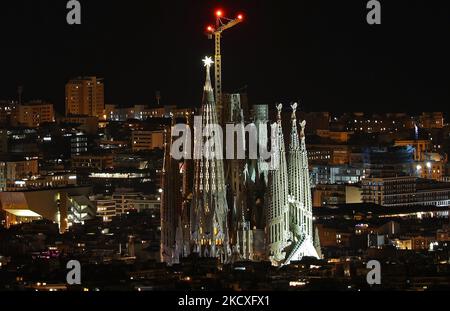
222	23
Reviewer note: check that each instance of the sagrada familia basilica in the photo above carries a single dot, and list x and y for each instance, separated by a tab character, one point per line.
239	209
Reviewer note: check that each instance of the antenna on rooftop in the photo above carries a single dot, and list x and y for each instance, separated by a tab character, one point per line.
158	97
20	91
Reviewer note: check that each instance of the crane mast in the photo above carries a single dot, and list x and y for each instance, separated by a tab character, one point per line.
218	75
222	24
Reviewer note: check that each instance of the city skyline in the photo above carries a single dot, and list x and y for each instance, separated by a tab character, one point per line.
332	60
246	147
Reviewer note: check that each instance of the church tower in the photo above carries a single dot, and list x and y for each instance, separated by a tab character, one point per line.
277	208
209	210
171	201
300	200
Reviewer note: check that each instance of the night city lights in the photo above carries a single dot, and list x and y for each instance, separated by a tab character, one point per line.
219	154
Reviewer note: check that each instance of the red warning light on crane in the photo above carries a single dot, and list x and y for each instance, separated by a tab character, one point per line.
219	13
210	28
240	16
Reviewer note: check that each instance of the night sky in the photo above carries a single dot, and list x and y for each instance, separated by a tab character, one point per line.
319	52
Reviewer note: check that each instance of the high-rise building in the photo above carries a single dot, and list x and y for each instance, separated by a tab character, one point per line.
209	212
387	161
34	113
85	96
78	143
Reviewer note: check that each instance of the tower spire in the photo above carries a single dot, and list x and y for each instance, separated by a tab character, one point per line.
209	209
300	207
294	112
295	178
279	109
207	61
277	216
294	144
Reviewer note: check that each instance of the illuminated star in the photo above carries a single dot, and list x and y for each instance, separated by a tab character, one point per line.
207	61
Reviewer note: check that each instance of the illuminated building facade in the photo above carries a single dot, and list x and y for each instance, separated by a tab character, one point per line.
300	201
289	203
106	208
405	191
80	209
277	209
420	147
146	140
15	170
135	201
142	112
329	154
336	174
33	114
360	122
85	96
52	204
